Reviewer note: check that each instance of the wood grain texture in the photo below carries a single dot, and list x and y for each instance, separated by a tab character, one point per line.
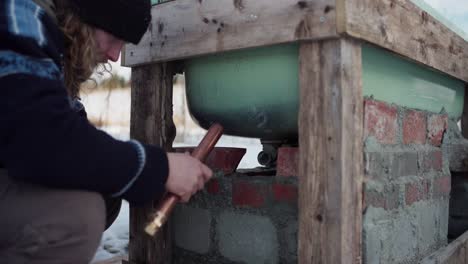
181	29
454	253
151	122
464	118
331	159
401	26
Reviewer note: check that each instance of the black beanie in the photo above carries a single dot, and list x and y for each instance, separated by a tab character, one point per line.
125	19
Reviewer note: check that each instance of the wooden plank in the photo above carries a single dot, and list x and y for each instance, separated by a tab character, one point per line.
331	152
401	26
455	253
464	118
181	29
151	122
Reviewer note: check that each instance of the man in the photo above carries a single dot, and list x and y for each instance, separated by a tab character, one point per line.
56	166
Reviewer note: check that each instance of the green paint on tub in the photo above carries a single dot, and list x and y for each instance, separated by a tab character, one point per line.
254	92
390	78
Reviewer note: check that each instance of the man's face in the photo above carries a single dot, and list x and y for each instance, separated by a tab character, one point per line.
108	46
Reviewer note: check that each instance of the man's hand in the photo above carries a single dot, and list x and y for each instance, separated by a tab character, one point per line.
187	175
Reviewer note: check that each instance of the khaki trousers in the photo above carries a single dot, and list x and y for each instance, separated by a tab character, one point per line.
45	225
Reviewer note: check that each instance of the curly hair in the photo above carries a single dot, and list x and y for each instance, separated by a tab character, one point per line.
80	57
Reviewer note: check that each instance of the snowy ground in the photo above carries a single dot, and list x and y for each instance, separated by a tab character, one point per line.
112	110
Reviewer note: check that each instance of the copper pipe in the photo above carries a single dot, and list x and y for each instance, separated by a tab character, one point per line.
170	200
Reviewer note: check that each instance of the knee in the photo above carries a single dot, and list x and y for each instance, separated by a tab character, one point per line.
75	227
86	216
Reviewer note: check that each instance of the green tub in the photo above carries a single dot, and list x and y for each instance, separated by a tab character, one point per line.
255	92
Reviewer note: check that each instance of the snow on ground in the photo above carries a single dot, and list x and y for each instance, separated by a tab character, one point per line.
112	111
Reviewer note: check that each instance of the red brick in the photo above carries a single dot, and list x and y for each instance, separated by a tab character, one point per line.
436	126
416	191
380	121
284	192
213	186
287	161
414	127
433	161
442	186
249	194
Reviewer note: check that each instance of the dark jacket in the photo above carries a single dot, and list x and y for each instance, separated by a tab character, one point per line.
42	139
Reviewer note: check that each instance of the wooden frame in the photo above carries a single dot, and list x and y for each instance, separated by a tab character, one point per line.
182	29
454	253
331	152
330	117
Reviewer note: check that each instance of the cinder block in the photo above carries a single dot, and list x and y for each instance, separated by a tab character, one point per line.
249	239
249	194
404	164
414	127
436	126
391	165
191	229
387	199
380	121
287	161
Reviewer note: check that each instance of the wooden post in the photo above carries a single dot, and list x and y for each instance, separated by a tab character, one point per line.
331	152
464	118
151	122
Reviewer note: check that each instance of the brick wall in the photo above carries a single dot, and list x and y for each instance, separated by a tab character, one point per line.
407	183
239	219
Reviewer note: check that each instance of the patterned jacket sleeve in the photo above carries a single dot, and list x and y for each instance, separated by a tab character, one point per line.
42	139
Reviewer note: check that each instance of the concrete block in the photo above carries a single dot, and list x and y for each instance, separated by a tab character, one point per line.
428	219
388	198
403	241
391	165
414	127
372	244
245	238
380	121
404	164
191	228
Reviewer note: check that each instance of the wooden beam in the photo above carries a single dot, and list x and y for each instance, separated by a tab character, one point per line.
404	28
464	118
181	29
151	122
330	144
455	253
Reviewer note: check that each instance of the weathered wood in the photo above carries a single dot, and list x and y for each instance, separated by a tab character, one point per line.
401	26
181	29
455	253
151	122
464	118
331	159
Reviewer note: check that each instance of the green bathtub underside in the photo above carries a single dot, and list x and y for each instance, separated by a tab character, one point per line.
390	78
254	92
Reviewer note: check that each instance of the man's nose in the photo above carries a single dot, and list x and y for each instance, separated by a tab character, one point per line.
114	52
